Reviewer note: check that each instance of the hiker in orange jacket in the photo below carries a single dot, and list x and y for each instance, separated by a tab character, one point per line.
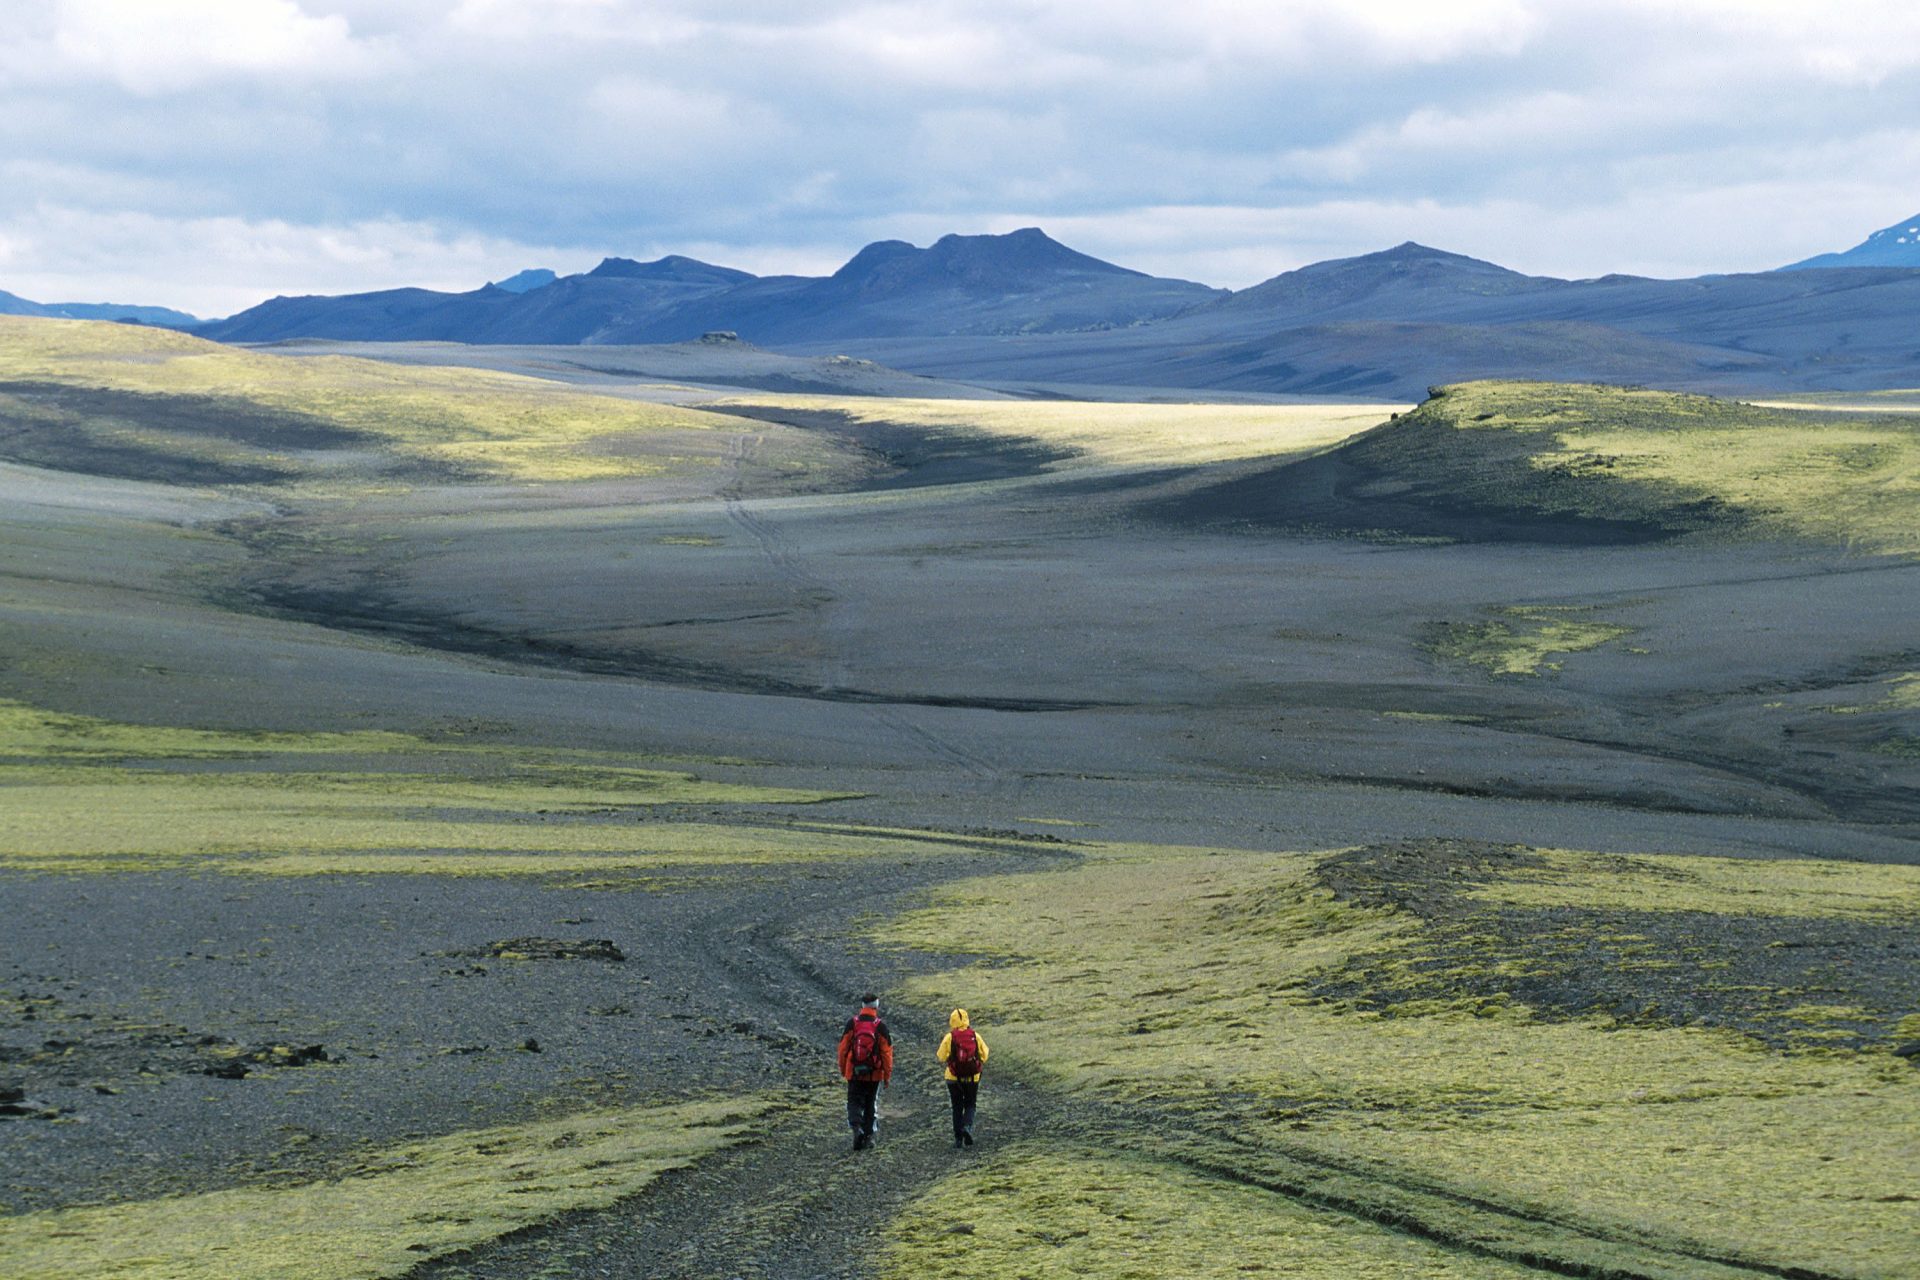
866	1061
965	1053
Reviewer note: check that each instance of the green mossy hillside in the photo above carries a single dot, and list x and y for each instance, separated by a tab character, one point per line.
120	400
1657	461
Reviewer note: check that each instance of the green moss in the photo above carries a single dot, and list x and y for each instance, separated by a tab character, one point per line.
1902	694
1071	1211
403	1206
1522	638
28	732
1786	887
1168	980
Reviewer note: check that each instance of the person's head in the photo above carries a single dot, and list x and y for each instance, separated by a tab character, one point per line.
957	1019
870	1001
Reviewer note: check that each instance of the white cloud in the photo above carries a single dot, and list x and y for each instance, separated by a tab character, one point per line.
154	48
1566	136
215	266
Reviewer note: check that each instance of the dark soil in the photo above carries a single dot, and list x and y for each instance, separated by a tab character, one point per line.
908	456
1655	968
366	609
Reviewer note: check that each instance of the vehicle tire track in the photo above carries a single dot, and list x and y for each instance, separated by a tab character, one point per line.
983	775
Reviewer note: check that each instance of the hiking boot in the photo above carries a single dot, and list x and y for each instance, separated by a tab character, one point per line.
966	1136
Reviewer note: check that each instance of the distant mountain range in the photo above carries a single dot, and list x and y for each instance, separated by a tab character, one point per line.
1394	322
1022	282
167	317
1023	310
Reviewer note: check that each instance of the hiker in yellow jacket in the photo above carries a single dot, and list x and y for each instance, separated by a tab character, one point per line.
965	1053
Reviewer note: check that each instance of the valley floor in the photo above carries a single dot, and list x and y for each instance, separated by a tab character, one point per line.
455	855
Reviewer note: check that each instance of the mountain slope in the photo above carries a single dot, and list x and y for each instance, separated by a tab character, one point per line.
1402	283
166	317
1894	246
526	281
1021	282
568	310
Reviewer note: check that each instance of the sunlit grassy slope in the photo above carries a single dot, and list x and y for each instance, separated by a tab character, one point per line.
1676	462
477	422
402	1207
1236	1003
84	795
1122	434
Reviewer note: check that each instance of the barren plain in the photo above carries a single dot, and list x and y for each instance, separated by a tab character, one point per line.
446	814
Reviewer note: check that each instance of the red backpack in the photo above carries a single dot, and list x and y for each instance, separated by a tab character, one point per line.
865	1054
965	1058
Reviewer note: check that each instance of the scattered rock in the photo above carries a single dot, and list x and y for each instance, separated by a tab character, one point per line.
1910	1051
240	1065
530	1045
550	949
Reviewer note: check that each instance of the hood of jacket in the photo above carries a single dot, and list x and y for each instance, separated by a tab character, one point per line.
957	1019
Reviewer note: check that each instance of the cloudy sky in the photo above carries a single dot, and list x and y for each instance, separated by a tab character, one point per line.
206	154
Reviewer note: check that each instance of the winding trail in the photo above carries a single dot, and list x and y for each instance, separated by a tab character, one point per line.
798	1204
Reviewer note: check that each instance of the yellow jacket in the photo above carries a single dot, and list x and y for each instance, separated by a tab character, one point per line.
956	1020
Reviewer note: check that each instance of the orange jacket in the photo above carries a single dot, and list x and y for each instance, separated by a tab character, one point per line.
869	1013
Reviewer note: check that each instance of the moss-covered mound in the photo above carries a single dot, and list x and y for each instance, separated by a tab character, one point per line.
1560	463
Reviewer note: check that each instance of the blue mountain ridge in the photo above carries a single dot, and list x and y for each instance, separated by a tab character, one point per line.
1023	309
165	317
1894	246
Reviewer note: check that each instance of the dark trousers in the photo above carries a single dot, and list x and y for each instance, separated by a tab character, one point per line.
963	1094
862	1098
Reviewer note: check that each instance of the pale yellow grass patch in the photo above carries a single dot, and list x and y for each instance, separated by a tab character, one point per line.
1128	434
502	424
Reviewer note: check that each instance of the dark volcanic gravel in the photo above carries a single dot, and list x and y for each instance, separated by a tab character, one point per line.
1640	967
199	1032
